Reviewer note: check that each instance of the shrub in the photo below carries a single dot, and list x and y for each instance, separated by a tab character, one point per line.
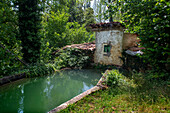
40	70
115	78
37	69
8	63
72	57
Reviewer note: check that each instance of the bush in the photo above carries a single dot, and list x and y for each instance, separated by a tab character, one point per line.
72	58
37	69
40	70
115	78
8	63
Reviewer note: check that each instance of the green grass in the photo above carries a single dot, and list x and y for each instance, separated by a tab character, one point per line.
146	96
102	101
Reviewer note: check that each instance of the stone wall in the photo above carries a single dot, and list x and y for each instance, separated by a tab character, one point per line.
130	40
114	38
11	78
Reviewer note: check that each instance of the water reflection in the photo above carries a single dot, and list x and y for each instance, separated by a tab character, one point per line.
43	94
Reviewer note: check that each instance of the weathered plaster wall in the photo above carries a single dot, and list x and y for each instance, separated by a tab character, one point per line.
115	39
129	40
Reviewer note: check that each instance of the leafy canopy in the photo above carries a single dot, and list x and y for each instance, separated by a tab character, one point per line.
150	19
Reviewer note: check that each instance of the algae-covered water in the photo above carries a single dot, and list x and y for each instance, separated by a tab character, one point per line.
41	94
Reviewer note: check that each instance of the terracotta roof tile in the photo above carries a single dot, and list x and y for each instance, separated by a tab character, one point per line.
106	25
86	46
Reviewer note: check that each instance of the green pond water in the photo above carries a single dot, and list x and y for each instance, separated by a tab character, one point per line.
40	95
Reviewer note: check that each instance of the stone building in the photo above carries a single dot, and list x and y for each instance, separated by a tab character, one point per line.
109	40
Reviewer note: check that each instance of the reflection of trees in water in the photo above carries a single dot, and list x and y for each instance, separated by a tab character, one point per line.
86	75
44	93
11	96
68	83
34	96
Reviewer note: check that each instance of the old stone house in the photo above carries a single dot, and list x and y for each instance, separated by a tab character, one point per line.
110	42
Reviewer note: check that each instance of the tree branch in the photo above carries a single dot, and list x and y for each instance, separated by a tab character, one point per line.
7	50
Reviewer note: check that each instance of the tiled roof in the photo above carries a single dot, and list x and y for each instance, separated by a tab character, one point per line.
86	46
102	26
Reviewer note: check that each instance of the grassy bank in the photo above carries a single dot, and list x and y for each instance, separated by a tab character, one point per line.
137	95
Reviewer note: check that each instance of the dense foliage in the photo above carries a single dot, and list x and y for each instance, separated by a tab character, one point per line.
131	63
8	25
29	24
72	58
59	32
8	63
150	19
115	78
31	30
89	17
8	39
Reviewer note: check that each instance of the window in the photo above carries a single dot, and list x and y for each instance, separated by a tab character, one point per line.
107	48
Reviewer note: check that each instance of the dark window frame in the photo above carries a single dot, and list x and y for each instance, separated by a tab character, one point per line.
107	49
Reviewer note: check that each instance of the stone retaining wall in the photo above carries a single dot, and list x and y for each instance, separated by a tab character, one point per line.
11	78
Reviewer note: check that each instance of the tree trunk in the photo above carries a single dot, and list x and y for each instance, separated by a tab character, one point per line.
110	13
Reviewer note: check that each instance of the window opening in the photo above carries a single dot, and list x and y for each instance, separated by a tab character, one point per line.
107	48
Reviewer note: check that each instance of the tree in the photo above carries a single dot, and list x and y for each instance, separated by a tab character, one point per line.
110	12
55	5
8	38
8	24
150	19
114	13
29	25
99	7
59	32
89	16
72	10
54	24
80	16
